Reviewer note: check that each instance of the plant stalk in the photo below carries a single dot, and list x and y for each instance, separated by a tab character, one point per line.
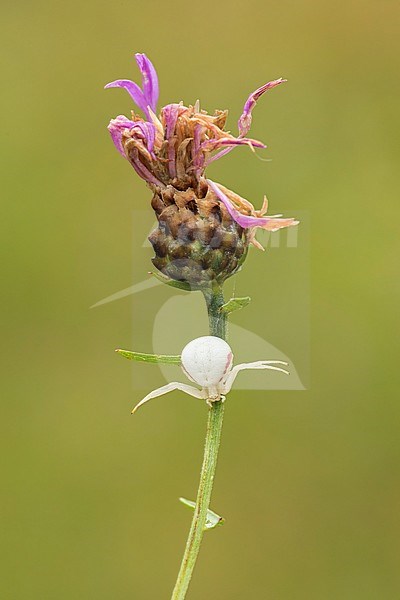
217	321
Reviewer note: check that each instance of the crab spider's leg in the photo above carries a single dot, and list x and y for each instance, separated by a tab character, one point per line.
260	364
175	385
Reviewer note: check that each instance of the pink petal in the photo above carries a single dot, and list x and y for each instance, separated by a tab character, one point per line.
116	127
247	221
171	113
244	122
149	80
214	144
133	90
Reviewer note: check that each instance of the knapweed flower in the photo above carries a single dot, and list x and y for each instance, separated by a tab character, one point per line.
208	362
204	229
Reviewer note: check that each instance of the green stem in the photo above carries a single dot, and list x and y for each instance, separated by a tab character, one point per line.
217	320
214	300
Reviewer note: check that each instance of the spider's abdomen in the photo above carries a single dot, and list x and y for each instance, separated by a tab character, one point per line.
206	360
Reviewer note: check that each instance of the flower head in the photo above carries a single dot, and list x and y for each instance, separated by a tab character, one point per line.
204	229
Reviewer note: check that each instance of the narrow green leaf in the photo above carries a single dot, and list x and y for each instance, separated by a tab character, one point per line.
165	359
235	304
212	518
182	285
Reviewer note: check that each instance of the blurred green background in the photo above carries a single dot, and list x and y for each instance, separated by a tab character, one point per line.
308	480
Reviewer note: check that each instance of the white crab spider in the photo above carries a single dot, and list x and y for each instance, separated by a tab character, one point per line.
207	361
